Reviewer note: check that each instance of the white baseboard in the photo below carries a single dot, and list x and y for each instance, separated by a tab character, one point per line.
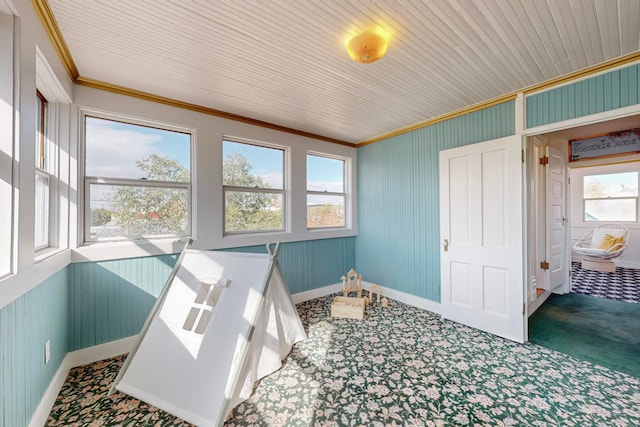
406	298
102	351
39	418
122	346
316	293
71	360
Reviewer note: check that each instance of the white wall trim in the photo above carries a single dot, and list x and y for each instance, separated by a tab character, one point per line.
536	304
101	351
406	298
46	403
618	113
72	360
316	293
124	345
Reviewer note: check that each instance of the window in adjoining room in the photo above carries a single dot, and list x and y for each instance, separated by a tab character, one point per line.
137	181
611	197
253	187
326	198
44	171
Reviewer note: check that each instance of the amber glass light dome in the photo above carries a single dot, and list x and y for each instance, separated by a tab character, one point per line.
367	47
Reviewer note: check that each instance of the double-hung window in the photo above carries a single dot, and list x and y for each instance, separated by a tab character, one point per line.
43	176
253	187
137	181
326	197
611	197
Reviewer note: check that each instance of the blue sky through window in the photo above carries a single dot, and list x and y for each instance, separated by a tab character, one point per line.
113	148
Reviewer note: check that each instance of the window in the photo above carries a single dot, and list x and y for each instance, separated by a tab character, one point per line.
325	192
44	172
137	181
253	187
611	197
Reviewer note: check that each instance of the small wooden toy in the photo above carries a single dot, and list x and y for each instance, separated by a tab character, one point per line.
374	289
352	282
385	302
348	307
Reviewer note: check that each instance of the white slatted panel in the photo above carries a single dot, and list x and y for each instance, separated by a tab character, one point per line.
285	62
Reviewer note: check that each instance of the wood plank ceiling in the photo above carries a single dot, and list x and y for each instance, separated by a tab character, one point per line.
284	61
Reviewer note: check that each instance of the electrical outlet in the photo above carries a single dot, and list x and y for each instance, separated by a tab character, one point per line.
47	351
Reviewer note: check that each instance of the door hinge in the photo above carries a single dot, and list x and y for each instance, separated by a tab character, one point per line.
544	265
524	308
544	160
522	155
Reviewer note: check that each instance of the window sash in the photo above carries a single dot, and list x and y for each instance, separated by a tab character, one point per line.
41	130
634	204
259	190
42	218
343	196
120	182
265	146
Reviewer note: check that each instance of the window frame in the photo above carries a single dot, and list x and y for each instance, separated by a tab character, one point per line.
343	194
256	189
88	180
45	168
586	199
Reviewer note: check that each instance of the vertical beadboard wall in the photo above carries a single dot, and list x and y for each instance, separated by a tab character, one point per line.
110	300
25	325
312	264
398	243
615	89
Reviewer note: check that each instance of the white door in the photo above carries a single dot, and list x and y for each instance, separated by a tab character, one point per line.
481	230
557	221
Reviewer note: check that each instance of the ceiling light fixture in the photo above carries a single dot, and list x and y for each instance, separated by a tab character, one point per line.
367	47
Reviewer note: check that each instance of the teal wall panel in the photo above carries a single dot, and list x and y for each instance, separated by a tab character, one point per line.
312	264
110	300
398	243
615	89
25	325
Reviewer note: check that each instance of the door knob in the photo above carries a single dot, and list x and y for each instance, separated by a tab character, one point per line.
445	245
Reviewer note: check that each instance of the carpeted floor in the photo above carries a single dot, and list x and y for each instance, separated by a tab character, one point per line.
623	285
603	331
398	366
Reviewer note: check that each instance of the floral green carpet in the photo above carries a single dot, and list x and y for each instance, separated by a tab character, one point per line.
399	366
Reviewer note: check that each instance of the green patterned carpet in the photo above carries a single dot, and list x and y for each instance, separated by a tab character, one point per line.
398	366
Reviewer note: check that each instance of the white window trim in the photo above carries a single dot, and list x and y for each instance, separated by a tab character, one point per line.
577	181
54	148
234	188
84	219
49	211
345	179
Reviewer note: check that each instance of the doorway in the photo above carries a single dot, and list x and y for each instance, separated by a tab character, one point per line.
548	274
588	327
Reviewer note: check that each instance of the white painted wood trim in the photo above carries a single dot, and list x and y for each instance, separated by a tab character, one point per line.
101	351
316	293
520	113
531	308
122	346
406	298
72	360
41	414
584	120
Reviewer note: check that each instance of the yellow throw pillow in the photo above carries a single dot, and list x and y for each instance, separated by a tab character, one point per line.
609	241
618	241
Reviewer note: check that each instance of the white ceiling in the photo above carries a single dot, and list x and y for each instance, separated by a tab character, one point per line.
284	61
